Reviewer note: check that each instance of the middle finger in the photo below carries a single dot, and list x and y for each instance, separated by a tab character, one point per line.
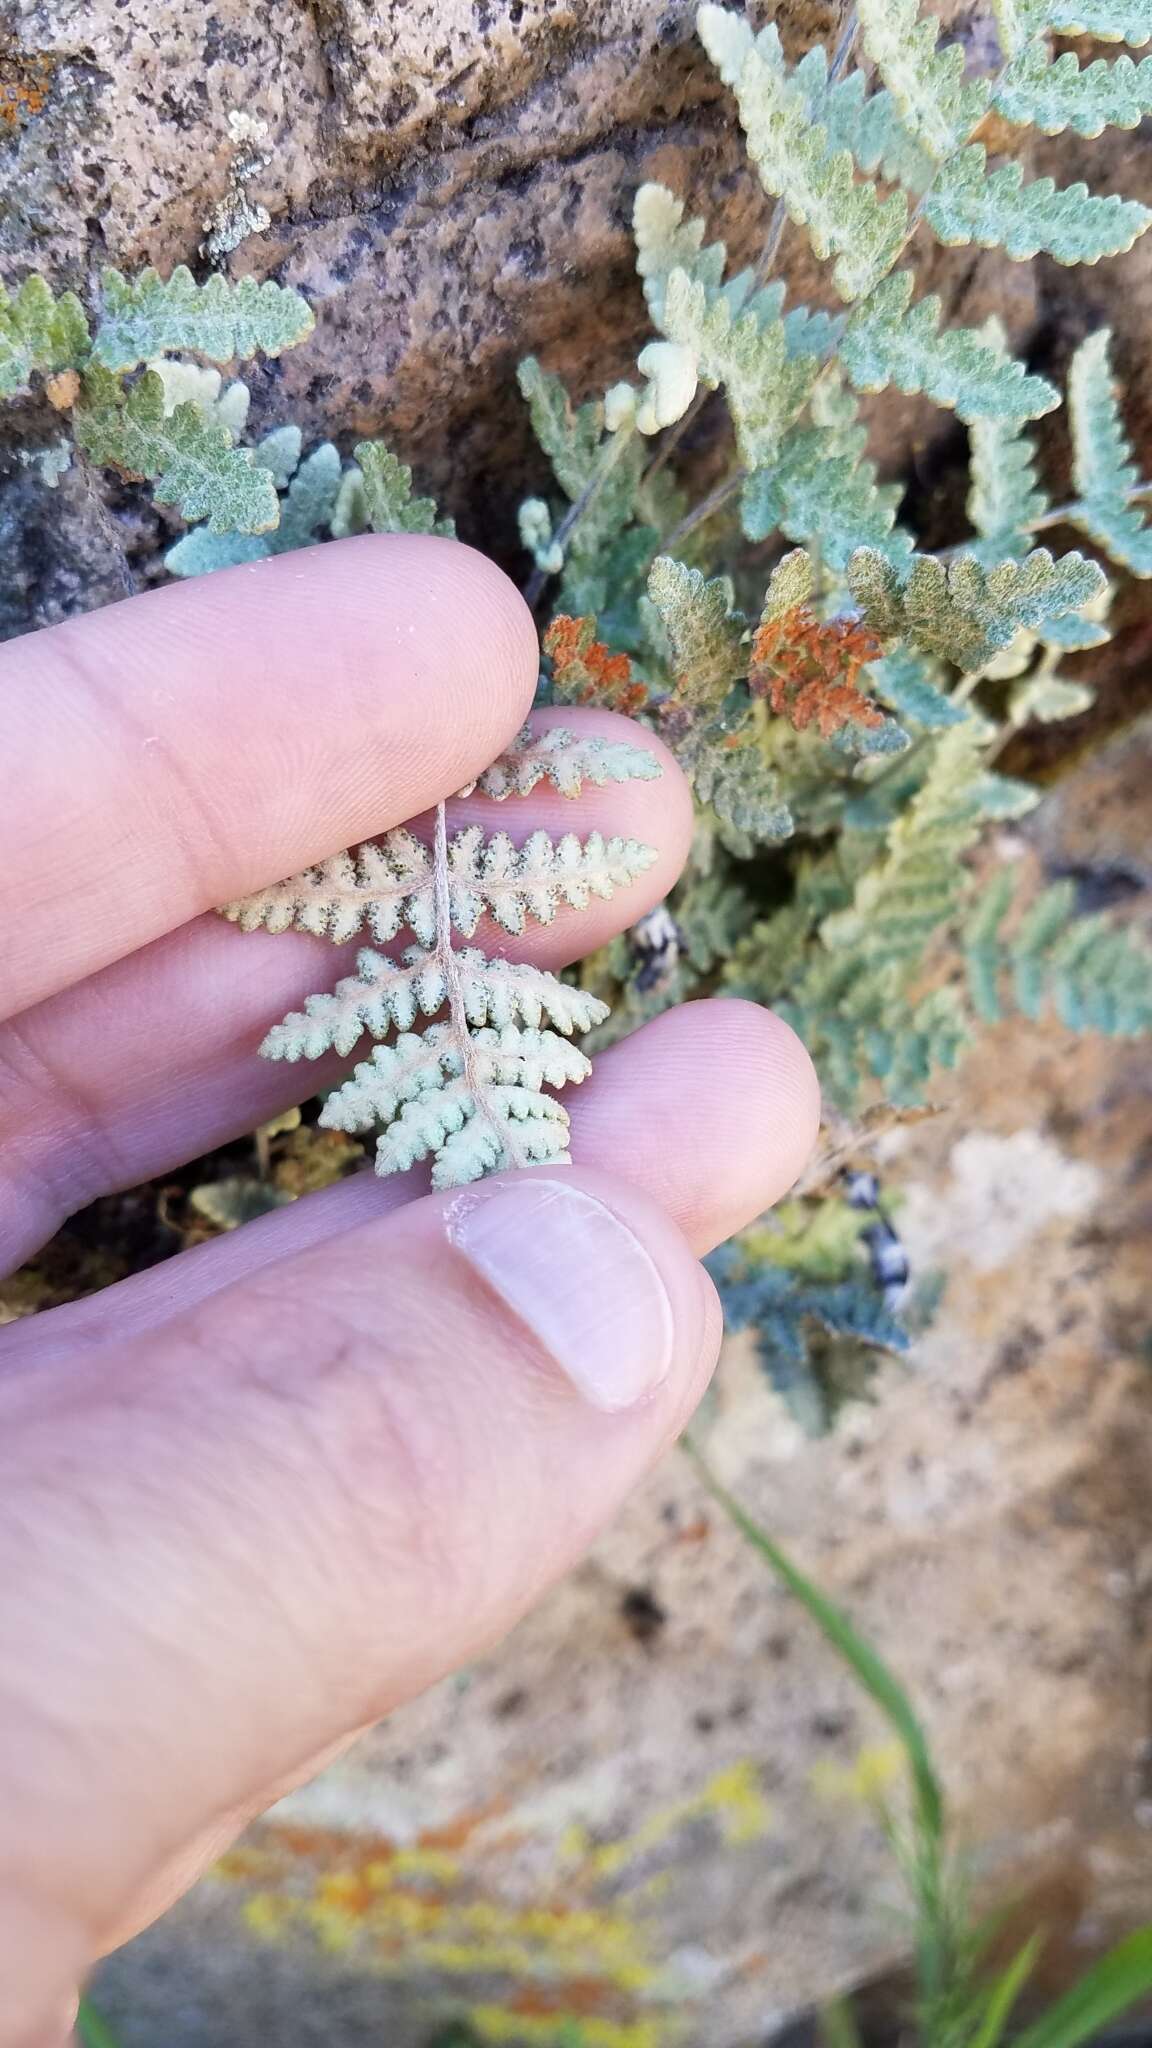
153	1060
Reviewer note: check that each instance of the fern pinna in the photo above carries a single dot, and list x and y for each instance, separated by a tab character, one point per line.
469	1090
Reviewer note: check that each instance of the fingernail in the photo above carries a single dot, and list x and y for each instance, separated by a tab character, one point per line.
579	1280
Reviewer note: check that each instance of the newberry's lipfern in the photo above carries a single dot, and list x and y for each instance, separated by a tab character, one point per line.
467	1045
838	697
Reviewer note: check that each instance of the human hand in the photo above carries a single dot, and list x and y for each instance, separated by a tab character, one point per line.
254	1497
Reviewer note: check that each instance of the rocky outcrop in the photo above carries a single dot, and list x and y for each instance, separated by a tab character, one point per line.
450	183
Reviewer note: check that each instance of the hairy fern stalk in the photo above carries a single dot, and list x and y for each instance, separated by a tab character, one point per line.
839	698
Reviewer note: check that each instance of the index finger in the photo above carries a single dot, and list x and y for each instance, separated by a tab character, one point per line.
197	742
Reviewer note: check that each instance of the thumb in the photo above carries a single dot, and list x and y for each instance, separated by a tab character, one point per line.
240	1538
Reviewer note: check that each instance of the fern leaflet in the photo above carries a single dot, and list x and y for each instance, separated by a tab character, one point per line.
190	461
148	316
1001	210
1103	466
890	341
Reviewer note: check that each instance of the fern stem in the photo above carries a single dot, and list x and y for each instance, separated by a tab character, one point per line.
703	510
454	991
1062	514
575	513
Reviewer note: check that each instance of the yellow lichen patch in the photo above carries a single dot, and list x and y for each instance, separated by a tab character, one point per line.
452	1905
733	1799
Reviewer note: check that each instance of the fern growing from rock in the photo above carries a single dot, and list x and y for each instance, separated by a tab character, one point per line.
839	698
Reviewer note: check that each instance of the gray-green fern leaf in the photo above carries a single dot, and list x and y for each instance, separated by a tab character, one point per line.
222	320
889	340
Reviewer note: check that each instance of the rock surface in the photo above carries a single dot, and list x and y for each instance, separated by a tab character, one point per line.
450	182
638	1814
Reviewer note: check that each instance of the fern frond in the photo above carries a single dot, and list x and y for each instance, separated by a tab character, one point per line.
1055	94
39	333
779	1306
1094	974
585	671
473	1111
570	436
566	759
304	514
574	440
1002	210
704	632
389	506
390	884
890	341
765	383
384	994
1048	698
871	127
1103	464
190	461
965	613
437	1097
1004	499
222	320
901	902
278	452
939	107
744	791
845	218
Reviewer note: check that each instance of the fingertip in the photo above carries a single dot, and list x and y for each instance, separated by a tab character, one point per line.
777	1081
733	1095
470	614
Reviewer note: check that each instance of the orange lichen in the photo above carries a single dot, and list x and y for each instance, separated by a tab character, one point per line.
585	672
809	668
25	81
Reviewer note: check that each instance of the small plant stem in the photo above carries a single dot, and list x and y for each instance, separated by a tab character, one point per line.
454	993
1061	514
579	506
704	510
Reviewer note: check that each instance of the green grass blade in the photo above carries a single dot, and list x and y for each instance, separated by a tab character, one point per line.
1002	1995
1118	1980
93	2031
870	1670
